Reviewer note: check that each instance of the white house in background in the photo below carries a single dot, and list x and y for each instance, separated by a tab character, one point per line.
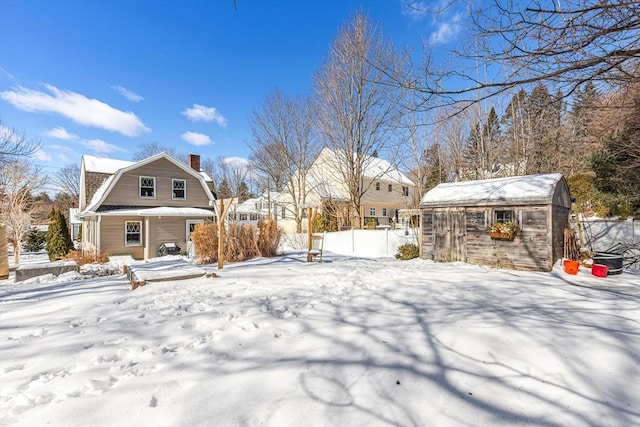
387	191
74	223
253	210
134	207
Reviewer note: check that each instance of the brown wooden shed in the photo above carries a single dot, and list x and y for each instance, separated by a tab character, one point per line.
456	218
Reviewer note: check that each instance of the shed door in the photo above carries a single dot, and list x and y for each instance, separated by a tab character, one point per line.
449	236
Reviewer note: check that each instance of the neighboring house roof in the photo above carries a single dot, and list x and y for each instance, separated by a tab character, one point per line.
73	216
375	168
528	189
107	186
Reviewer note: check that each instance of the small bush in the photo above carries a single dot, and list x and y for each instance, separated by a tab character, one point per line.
269	236
242	242
35	240
87	258
408	251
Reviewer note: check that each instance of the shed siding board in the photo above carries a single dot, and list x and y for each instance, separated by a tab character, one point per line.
126	190
112	236
427	234
530	250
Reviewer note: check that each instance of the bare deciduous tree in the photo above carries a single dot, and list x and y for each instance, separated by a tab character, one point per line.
358	107
15	146
18	179
562	44
149	149
68	179
284	147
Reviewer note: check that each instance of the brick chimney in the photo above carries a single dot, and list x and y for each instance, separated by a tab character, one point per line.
194	162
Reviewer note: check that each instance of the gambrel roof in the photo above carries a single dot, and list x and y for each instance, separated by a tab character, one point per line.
514	190
117	168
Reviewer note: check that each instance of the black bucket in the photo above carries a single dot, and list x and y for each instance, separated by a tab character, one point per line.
613	261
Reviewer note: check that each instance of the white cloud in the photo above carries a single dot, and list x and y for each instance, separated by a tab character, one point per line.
60	133
77	107
42	156
200	113
236	161
100	146
447	31
131	96
196	138
4	73
416	10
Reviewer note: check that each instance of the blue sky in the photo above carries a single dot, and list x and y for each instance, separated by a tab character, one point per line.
101	77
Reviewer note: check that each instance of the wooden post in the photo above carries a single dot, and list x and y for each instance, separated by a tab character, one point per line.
221	236
4	255
309	233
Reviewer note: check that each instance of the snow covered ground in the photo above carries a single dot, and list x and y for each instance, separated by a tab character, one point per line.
348	342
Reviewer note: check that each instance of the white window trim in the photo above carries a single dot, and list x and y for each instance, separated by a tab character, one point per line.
140	187
188	227
372	212
173	180
126	241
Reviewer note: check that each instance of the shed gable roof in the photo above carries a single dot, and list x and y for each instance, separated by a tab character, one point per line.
528	189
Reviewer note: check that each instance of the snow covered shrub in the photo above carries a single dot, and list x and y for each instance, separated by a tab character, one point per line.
408	251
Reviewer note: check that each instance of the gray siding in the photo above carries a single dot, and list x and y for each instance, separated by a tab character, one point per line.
112	235
126	191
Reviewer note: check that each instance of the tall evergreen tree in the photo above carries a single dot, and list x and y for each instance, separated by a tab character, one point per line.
58	241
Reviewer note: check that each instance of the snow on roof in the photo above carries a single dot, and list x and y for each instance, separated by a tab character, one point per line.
159	211
104	164
374	168
107	165
97	196
73	216
516	189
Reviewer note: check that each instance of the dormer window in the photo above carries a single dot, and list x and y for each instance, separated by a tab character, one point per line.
148	187
179	189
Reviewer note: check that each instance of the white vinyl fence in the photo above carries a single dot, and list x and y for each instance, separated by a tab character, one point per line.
602	234
361	243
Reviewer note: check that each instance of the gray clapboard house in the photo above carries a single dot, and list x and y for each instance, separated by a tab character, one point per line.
135	207
456	218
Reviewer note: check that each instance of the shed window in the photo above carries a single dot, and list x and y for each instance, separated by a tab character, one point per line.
179	187
505	216
132	233
148	187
